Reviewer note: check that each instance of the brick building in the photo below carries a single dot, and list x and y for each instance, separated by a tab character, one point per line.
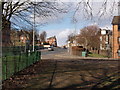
105	39
23	38
19	38
52	41
116	37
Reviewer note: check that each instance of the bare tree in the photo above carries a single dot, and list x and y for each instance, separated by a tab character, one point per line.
71	37
89	37
43	36
87	9
20	12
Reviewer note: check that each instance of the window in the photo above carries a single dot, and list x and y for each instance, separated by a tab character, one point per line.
118	27
100	38
106	38
119	40
119	53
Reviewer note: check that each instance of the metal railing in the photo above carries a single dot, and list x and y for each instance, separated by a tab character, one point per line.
16	60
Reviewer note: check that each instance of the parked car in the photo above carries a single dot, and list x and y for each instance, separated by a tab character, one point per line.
50	49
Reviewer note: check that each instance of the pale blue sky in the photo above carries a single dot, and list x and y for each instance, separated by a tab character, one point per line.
63	26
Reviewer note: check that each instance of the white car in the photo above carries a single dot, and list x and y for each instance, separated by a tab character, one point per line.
50	49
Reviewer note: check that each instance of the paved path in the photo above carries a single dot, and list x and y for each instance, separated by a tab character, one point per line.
66	72
57	73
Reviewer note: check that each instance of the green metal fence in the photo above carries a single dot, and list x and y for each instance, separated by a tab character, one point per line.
13	63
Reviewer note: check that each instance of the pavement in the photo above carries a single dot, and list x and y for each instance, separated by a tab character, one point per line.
65	74
64	71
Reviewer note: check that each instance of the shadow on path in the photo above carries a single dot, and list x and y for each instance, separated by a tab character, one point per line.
68	74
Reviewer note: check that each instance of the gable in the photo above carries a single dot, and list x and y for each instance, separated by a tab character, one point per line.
116	20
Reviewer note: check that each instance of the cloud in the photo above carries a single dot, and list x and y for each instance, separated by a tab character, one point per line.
107	27
104	22
65	33
61	35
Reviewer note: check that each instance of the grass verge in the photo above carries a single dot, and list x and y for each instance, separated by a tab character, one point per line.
97	55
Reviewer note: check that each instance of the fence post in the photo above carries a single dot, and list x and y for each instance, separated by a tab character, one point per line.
40	55
27	59
6	67
33	57
29	54
36	54
19	64
14	65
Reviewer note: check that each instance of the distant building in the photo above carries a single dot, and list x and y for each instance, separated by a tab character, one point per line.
23	38
73	41
116	37
20	37
105	39
52	41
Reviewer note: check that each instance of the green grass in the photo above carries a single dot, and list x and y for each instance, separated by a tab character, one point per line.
96	55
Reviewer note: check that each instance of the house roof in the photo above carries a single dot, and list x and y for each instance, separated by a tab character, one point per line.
51	37
116	20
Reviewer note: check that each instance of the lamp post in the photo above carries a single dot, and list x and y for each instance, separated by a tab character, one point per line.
34	29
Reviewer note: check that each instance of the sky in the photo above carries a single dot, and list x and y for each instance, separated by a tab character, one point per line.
62	25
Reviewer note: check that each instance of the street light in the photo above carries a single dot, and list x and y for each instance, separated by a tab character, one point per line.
34	29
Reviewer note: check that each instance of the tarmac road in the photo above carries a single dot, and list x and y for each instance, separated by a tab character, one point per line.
56	54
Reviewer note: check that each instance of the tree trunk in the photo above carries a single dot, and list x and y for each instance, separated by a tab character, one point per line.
5	32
